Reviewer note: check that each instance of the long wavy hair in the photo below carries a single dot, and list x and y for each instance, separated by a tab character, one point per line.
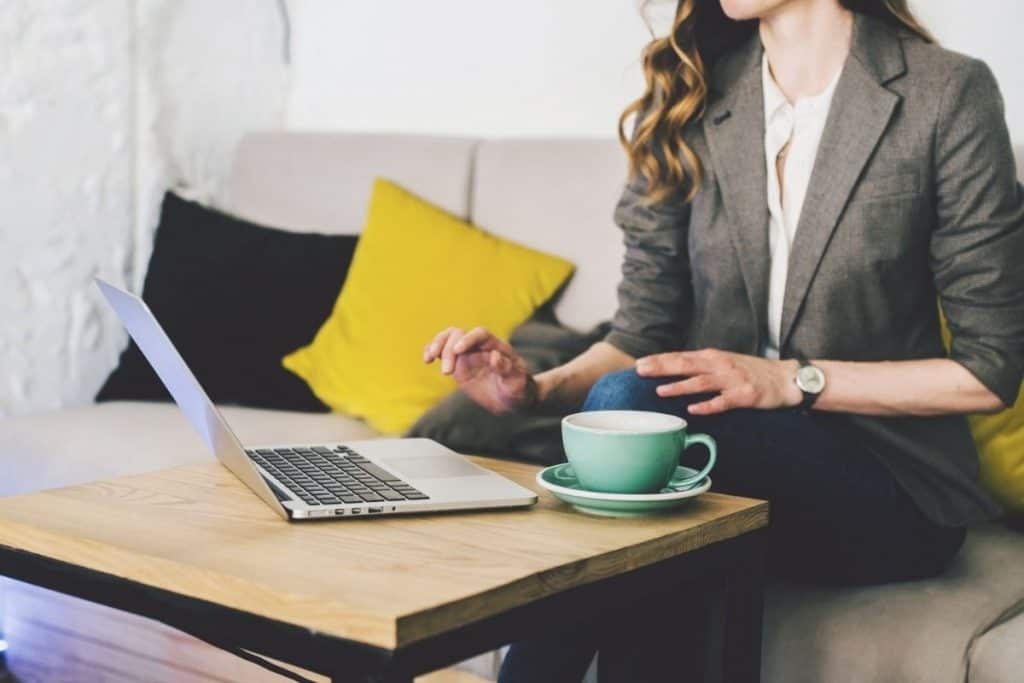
675	70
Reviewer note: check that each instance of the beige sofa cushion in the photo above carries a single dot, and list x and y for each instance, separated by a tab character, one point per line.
558	196
321	181
998	656
909	632
113	439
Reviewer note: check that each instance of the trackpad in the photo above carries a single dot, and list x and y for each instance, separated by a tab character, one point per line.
433	467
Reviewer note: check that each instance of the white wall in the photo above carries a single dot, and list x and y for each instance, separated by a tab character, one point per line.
534	67
992	30
66	205
465	67
103	104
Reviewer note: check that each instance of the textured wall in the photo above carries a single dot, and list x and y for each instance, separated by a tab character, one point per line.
104	104
66	200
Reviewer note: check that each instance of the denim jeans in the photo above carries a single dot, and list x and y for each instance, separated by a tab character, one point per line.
837	517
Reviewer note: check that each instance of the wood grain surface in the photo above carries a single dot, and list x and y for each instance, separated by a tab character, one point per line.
385	581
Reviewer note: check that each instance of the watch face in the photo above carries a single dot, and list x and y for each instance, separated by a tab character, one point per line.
810	379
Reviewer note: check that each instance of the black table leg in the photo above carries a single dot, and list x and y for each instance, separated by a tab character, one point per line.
741	621
709	626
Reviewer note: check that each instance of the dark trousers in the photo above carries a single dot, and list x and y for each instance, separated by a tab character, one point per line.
837	517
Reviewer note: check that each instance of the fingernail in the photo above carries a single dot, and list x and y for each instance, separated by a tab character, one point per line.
642	366
446	366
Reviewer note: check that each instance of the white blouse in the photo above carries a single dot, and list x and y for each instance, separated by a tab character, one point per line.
800	126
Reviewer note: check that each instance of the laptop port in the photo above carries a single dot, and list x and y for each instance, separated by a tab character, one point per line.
339	512
372	510
356	511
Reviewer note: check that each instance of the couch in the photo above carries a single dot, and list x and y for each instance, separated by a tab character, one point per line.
554	195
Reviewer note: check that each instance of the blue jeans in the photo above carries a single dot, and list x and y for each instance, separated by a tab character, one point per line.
838	517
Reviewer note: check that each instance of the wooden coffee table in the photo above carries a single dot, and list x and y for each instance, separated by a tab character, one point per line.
379	599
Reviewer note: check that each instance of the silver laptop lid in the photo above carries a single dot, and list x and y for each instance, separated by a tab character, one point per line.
156	346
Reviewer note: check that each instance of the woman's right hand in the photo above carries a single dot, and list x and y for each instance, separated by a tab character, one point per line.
490	371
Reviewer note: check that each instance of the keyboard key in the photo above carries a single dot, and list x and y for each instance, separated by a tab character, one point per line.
371	497
391	495
284	451
378	472
350	498
416	496
321	449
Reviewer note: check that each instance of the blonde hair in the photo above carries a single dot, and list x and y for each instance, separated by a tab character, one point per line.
675	71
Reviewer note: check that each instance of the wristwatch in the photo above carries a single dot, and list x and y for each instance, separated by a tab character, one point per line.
810	380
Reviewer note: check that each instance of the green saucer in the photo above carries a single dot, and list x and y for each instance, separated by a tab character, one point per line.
560	480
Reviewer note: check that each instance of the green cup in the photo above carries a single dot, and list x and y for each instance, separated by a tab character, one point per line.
630	451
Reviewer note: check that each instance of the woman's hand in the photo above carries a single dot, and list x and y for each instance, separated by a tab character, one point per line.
490	371
740	381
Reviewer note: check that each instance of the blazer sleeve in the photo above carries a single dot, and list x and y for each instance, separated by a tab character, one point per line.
655	296
977	248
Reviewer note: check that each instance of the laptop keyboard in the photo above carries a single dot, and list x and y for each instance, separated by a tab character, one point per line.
320	475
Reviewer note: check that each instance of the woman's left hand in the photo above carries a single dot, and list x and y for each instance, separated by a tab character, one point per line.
740	381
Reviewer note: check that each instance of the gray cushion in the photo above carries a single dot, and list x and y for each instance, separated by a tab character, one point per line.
321	181
558	196
462	425
113	439
912	633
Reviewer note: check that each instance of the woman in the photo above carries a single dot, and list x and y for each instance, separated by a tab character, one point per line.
809	178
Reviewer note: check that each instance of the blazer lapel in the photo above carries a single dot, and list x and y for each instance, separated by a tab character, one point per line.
861	110
734	130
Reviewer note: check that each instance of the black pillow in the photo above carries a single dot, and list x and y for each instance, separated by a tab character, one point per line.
462	425
234	297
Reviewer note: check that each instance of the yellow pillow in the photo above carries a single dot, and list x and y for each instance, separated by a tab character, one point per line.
1000	442
416	270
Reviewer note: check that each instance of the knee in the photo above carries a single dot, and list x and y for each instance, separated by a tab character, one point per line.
622	390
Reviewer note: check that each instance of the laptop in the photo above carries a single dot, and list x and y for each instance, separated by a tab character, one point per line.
315	481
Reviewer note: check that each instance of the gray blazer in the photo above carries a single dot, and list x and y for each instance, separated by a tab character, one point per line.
913	200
